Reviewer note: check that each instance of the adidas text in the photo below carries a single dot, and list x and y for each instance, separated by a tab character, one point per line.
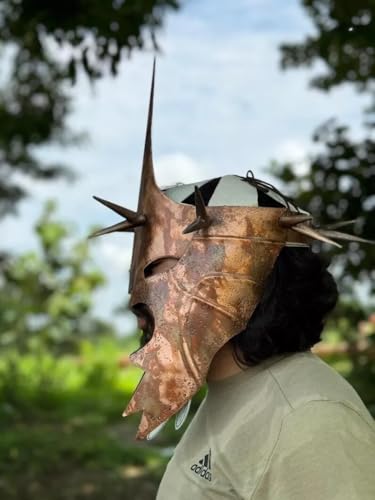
203	467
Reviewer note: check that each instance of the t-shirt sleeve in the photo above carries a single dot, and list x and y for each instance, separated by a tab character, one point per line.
325	450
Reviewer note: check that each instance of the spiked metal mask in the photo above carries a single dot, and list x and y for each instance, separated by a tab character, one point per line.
223	250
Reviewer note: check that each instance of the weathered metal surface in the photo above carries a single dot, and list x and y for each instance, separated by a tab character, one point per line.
203	301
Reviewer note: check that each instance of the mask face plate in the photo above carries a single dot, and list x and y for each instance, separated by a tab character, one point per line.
202	301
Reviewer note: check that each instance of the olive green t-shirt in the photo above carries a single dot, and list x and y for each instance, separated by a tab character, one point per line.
290	428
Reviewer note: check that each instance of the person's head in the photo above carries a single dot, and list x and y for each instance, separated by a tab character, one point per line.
222	238
299	294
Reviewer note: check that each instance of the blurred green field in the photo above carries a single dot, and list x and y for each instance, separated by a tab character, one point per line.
62	433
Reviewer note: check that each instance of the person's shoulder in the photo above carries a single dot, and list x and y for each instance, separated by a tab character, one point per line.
296	399
304	377
327	444
298	387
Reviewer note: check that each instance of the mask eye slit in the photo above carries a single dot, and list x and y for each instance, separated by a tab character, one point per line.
158	266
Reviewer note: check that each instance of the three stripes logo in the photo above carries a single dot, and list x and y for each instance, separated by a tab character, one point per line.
203	467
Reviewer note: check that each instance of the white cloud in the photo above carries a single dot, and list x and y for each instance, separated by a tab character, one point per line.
296	153
115	253
178	167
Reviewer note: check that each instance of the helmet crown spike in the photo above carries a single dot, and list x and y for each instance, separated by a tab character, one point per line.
148	176
135	219
202	219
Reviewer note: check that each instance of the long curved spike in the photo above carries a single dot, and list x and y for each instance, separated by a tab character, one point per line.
123	226
148	176
345	236
292	220
313	233
148	184
148	142
125	212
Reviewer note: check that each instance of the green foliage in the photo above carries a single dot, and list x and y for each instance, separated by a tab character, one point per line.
46	297
34	106
36	386
94	34
349	347
61	426
343	40
339	183
338	187
44	46
38	450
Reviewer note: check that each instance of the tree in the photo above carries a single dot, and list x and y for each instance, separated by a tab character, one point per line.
344	42
46	297
339	184
44	46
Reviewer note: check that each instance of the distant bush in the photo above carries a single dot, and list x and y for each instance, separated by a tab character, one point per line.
46	296
35	386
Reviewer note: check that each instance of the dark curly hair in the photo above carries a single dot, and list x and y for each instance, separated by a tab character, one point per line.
298	295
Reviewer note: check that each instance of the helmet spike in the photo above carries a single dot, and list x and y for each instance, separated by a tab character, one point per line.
123	226
148	191
344	236
133	219
202	220
327	234
313	233
148	176
289	221
336	225
125	212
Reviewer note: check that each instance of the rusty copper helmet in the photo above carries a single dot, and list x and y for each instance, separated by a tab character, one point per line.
223	252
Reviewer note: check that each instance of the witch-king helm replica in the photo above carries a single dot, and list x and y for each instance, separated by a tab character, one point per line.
223	243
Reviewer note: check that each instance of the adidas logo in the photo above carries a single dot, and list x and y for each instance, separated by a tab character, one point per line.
203	467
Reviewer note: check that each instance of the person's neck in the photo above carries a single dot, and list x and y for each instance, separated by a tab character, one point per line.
223	364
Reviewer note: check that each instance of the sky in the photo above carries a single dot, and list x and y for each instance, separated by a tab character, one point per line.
222	106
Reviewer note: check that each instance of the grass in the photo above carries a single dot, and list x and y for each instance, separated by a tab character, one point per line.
62	436
61	431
